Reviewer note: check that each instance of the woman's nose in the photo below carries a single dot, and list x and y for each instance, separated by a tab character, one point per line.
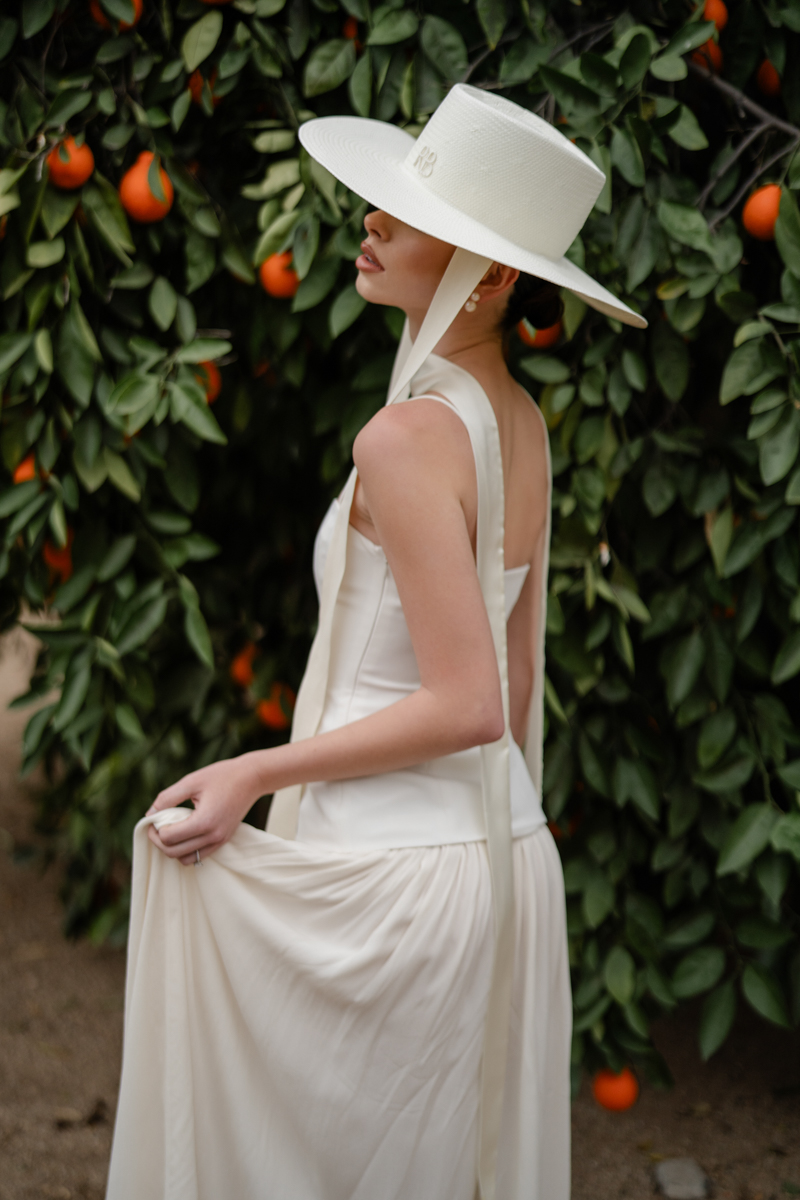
376	222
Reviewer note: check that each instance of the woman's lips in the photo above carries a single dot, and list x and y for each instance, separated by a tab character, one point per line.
367	260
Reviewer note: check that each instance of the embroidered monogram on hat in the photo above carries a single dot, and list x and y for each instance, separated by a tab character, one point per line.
425	160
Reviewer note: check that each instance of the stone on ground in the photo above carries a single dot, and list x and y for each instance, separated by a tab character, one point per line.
681	1179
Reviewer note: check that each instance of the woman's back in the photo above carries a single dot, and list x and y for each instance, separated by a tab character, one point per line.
373	665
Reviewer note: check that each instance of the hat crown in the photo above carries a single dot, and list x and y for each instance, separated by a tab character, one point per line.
507	168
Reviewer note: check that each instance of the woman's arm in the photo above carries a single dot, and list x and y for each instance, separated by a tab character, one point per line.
416	468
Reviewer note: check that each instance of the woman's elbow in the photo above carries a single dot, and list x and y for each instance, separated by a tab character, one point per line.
484	723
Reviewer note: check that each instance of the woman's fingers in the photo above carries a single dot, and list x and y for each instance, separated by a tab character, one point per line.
186	847
175	794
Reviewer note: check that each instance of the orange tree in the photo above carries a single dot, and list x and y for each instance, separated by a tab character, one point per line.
151	173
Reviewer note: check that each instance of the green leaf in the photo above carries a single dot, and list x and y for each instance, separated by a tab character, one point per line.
681	665
763	992
188	404
346	309
743	366
698	971
635	61
203	349
716	734
162	303
45	254
619	975
690	931
749	835
117	557
135	277
329	64
393	26
598	899
102	206
684	224
493	16
359	88
76	686
12	348
787	232
686	131
66	105
142	625
787	660
777	449
785	837
9	27
627	157
669	68
545	369
756	933
121	476
275	236
317	284
670	361
57	208
593	770
692	35
445	47
726	778
35	729
35	15
633	780
200	39
716	1020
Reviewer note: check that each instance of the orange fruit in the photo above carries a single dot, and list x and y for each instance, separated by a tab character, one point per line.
278	277
70	165
768	79
761	212
350	28
210	380
275	712
59	558
716	11
615	1092
3	223
25	470
196	81
102	20
709	56
540	338
242	666
137	198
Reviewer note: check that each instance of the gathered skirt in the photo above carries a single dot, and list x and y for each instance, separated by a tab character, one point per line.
306	1023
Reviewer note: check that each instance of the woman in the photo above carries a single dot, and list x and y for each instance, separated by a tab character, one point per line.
370	1001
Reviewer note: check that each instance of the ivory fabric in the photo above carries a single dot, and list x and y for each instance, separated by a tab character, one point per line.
324	1020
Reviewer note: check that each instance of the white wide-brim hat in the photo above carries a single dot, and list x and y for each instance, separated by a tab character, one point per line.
485	175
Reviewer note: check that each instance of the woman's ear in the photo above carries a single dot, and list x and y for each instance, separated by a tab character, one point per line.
498	279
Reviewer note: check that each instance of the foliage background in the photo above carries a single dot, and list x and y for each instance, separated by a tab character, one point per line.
673	755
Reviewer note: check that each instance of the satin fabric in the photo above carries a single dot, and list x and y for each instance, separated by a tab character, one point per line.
308	1025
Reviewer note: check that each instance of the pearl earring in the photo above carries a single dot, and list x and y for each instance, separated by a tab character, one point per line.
472	303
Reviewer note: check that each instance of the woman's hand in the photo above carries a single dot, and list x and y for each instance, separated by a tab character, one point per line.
222	793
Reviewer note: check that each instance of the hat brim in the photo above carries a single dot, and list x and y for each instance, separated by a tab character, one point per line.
369	158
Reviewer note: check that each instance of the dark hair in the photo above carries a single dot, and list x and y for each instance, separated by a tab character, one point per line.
536	300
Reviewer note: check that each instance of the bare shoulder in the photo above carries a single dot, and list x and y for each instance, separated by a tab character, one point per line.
413	431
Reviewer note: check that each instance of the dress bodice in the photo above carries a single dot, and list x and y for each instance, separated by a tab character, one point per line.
372	665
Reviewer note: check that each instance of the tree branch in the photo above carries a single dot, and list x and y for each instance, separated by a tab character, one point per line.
748	183
700	202
738	97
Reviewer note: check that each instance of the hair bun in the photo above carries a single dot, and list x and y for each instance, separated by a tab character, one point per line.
534	300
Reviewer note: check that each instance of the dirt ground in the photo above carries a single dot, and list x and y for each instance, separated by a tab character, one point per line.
61	1025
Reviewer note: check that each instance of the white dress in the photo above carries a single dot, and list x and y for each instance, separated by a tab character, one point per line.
305	1018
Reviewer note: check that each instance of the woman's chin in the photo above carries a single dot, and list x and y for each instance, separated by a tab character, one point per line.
369	287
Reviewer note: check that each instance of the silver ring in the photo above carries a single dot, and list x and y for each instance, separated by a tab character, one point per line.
197	862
